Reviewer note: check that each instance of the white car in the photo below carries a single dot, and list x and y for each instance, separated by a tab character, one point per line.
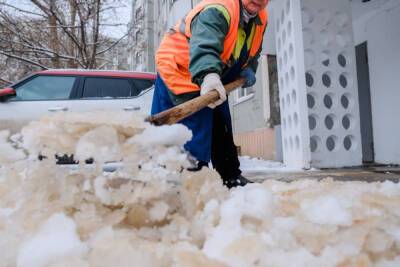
53	91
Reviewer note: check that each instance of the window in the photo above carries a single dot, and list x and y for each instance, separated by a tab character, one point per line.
242	94
45	88
106	87
140	85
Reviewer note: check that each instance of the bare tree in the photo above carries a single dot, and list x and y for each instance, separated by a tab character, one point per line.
57	33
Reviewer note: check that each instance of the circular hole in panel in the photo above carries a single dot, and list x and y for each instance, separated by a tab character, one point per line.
307	16
296	120
342	60
331	143
347	122
287	78
291	51
310	101
346	101
326	38
292	73
342	39
291	143
328	100
282	17
315	143
284	37
326	79
308	37
289	28
342	20
287	7
279	44
349	143
294	96
330	121
325	58
290	122
282	85
285	58
309	78
288	100
312	122
309	57
344	80
297	142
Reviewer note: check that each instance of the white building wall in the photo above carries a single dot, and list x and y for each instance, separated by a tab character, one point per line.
380	27
314	38
292	90
330	61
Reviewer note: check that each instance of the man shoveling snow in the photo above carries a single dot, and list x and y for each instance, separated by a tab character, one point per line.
217	42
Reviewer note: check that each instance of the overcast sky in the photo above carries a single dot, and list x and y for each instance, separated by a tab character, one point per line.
120	16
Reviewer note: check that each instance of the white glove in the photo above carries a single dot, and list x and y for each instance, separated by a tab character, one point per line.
212	81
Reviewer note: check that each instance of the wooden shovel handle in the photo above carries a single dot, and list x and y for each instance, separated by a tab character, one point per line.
177	113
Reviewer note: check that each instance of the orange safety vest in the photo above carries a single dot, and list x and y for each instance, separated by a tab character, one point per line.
173	57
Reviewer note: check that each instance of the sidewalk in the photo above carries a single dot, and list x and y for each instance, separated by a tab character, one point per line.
368	174
259	170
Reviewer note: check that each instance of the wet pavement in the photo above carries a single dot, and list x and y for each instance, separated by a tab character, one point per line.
367	174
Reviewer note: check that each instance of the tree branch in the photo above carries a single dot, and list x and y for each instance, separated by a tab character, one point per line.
6	81
112	45
22	10
24	60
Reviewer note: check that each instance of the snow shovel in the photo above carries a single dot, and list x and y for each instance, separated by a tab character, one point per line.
179	112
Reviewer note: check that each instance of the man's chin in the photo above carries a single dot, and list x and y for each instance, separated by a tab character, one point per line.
254	9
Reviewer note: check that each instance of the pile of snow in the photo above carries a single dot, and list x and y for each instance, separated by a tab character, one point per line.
56	238
8	152
152	212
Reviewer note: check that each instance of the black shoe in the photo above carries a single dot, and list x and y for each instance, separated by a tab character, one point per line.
197	166
238	181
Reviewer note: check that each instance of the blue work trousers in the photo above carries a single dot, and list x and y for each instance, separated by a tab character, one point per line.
212	133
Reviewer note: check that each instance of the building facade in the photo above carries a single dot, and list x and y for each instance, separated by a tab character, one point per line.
141	37
150	19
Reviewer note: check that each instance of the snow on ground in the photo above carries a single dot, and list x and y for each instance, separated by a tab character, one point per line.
249	164
152	212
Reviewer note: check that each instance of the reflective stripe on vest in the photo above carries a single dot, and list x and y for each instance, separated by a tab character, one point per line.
181	25
233	9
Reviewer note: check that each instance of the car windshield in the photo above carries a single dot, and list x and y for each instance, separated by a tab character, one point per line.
45	88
